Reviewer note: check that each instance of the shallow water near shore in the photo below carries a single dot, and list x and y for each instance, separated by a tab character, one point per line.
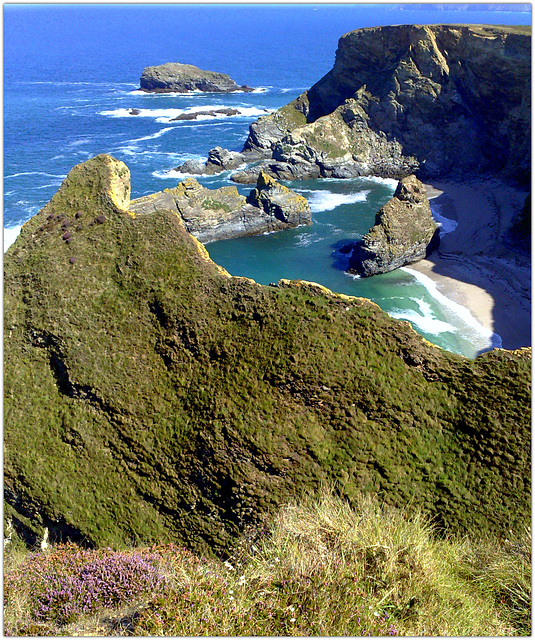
71	92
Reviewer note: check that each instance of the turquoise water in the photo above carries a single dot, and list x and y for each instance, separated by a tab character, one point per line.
71	74
342	211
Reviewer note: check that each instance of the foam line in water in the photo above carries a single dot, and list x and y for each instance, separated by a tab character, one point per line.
166	116
322	200
36	173
462	312
10	235
447	225
390	182
426	322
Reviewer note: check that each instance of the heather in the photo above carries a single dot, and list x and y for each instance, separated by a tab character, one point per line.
318	567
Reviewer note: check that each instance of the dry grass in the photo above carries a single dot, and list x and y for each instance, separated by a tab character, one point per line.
320	568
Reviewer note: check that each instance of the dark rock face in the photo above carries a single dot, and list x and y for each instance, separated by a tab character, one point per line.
442	100
217	214
174	77
404	232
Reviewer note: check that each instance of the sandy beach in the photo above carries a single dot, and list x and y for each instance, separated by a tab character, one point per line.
475	265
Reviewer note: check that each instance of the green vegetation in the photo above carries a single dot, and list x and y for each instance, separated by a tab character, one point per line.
215	205
318	567
148	396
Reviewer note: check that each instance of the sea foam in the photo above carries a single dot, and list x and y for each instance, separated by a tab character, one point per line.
447	225
10	235
322	200
166	116
461	312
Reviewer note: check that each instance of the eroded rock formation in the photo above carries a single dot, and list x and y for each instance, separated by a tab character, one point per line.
404	232
217	214
174	77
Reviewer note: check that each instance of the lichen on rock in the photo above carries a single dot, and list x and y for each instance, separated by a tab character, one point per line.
217	214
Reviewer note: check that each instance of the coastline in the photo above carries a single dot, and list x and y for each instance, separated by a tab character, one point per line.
474	266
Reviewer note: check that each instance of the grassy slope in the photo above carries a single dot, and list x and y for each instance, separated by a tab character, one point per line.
149	396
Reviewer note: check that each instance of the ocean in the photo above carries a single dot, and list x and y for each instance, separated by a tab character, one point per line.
71	74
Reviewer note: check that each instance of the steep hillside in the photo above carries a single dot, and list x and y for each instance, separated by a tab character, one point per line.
150	396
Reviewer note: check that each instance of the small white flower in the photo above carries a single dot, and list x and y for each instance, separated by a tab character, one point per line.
231	591
254	548
229	566
292	608
277	560
231	598
292	619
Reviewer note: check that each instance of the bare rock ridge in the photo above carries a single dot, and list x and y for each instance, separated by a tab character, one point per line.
437	101
217	214
174	77
404	232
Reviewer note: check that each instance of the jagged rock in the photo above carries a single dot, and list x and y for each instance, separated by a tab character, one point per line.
219	160
404	232
279	202
217	214
150	397
442	100
181	78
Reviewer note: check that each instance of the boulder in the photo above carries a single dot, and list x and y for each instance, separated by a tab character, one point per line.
174	77
404	232
219	160
279	202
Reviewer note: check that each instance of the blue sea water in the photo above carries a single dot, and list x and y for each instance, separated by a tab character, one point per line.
70	78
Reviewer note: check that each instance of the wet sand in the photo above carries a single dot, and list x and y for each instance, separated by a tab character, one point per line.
475	265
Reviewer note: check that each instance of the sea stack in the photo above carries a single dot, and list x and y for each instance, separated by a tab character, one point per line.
174	77
404	232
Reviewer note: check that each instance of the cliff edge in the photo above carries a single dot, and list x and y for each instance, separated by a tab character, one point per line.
441	100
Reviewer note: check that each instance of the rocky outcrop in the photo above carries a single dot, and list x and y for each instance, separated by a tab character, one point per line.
174	77
211	113
404	232
442	100
219	160
218	214
149	397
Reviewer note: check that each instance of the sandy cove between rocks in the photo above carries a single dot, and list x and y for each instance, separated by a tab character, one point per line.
474	265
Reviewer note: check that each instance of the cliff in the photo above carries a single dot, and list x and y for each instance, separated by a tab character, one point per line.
404	232
149	396
174	77
218	214
442	100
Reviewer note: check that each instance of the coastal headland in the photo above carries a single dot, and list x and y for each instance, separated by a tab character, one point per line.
151	396
205	401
